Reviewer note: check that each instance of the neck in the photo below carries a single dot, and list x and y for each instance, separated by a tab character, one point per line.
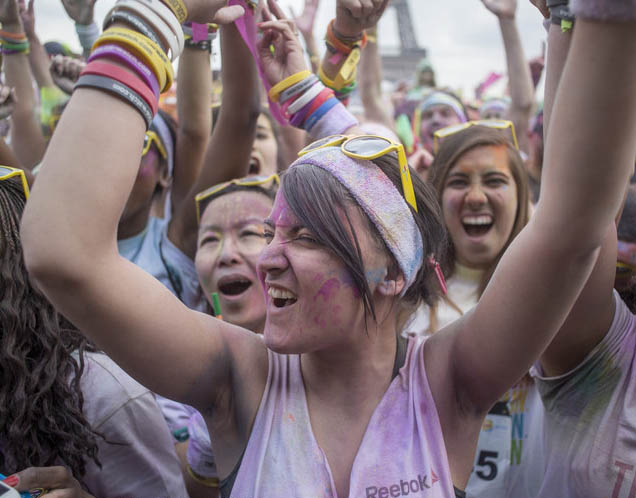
355	373
134	224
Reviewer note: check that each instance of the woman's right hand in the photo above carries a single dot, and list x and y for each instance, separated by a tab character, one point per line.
543	8
57	481
9	13
288	56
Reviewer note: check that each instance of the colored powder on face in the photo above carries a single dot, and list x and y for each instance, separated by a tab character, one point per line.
282	215
328	288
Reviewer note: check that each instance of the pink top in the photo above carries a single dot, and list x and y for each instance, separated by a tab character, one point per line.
402	452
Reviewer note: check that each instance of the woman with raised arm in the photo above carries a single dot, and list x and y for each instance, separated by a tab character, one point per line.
332	403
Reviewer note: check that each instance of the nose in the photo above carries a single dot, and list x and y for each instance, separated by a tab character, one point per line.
230	254
476	197
272	259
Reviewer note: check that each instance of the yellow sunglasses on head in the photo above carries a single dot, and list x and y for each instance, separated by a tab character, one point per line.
499	124
151	137
248	181
369	147
6	172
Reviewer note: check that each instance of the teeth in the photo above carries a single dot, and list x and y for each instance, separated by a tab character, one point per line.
477	220
280	294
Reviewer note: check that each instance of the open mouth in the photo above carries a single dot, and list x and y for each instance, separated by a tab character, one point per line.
254	166
281	298
234	287
476	226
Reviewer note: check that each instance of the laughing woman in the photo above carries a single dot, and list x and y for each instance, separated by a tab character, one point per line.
332	403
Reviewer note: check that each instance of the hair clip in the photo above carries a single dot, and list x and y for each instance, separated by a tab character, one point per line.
438	271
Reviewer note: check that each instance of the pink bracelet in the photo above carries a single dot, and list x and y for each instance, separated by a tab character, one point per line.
118	53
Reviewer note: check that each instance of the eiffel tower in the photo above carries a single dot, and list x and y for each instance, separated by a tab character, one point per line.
402	66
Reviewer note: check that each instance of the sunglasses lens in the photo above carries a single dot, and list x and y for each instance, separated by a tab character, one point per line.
367	146
4	171
449	130
320	143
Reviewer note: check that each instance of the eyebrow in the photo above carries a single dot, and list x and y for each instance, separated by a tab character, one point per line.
249	221
292	229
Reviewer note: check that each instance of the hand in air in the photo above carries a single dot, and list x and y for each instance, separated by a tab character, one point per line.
27	15
65	71
218	11
81	11
305	21
9	13
354	16
501	8
7	101
279	32
57	480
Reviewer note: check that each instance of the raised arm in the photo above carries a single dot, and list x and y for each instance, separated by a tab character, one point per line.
26	135
544	270
370	79
519	77
38	59
229	150
69	237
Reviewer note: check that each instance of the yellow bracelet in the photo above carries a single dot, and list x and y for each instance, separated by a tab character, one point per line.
210	482
279	87
178	8
346	75
144	48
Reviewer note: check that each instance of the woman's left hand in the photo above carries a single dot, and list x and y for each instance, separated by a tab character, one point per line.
288	56
57	481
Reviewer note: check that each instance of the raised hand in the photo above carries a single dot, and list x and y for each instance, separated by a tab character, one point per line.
65	71
9	13
501	8
217	11
7	101
56	480
81	11
354	16
305	21
288	56
27	15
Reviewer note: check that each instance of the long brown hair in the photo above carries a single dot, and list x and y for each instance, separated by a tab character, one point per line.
451	150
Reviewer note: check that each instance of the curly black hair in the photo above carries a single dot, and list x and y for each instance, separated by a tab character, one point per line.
41	364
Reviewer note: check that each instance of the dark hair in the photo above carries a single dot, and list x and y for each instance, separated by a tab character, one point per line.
41	418
451	150
319	201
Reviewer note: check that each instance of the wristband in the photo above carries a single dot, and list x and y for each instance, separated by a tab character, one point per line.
109	70
115	88
155	21
340	82
190	29
122	55
8	35
169	18
298	88
306	98
275	91
606	10
200	45
87	34
561	16
340	43
299	118
143	48
335	122
136	23
178	8
313	119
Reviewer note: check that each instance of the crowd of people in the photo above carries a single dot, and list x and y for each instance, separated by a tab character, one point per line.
280	281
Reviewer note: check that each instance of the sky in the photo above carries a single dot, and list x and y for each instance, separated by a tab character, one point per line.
462	36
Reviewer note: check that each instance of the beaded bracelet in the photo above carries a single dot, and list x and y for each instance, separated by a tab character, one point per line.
204	45
116	52
118	89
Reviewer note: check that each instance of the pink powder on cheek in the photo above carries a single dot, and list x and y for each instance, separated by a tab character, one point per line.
347	281
148	164
328	289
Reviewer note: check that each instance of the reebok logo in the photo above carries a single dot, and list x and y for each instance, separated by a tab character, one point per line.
404	488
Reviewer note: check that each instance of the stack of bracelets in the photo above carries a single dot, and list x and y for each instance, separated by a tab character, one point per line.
152	38
13	43
341	47
310	105
200	36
